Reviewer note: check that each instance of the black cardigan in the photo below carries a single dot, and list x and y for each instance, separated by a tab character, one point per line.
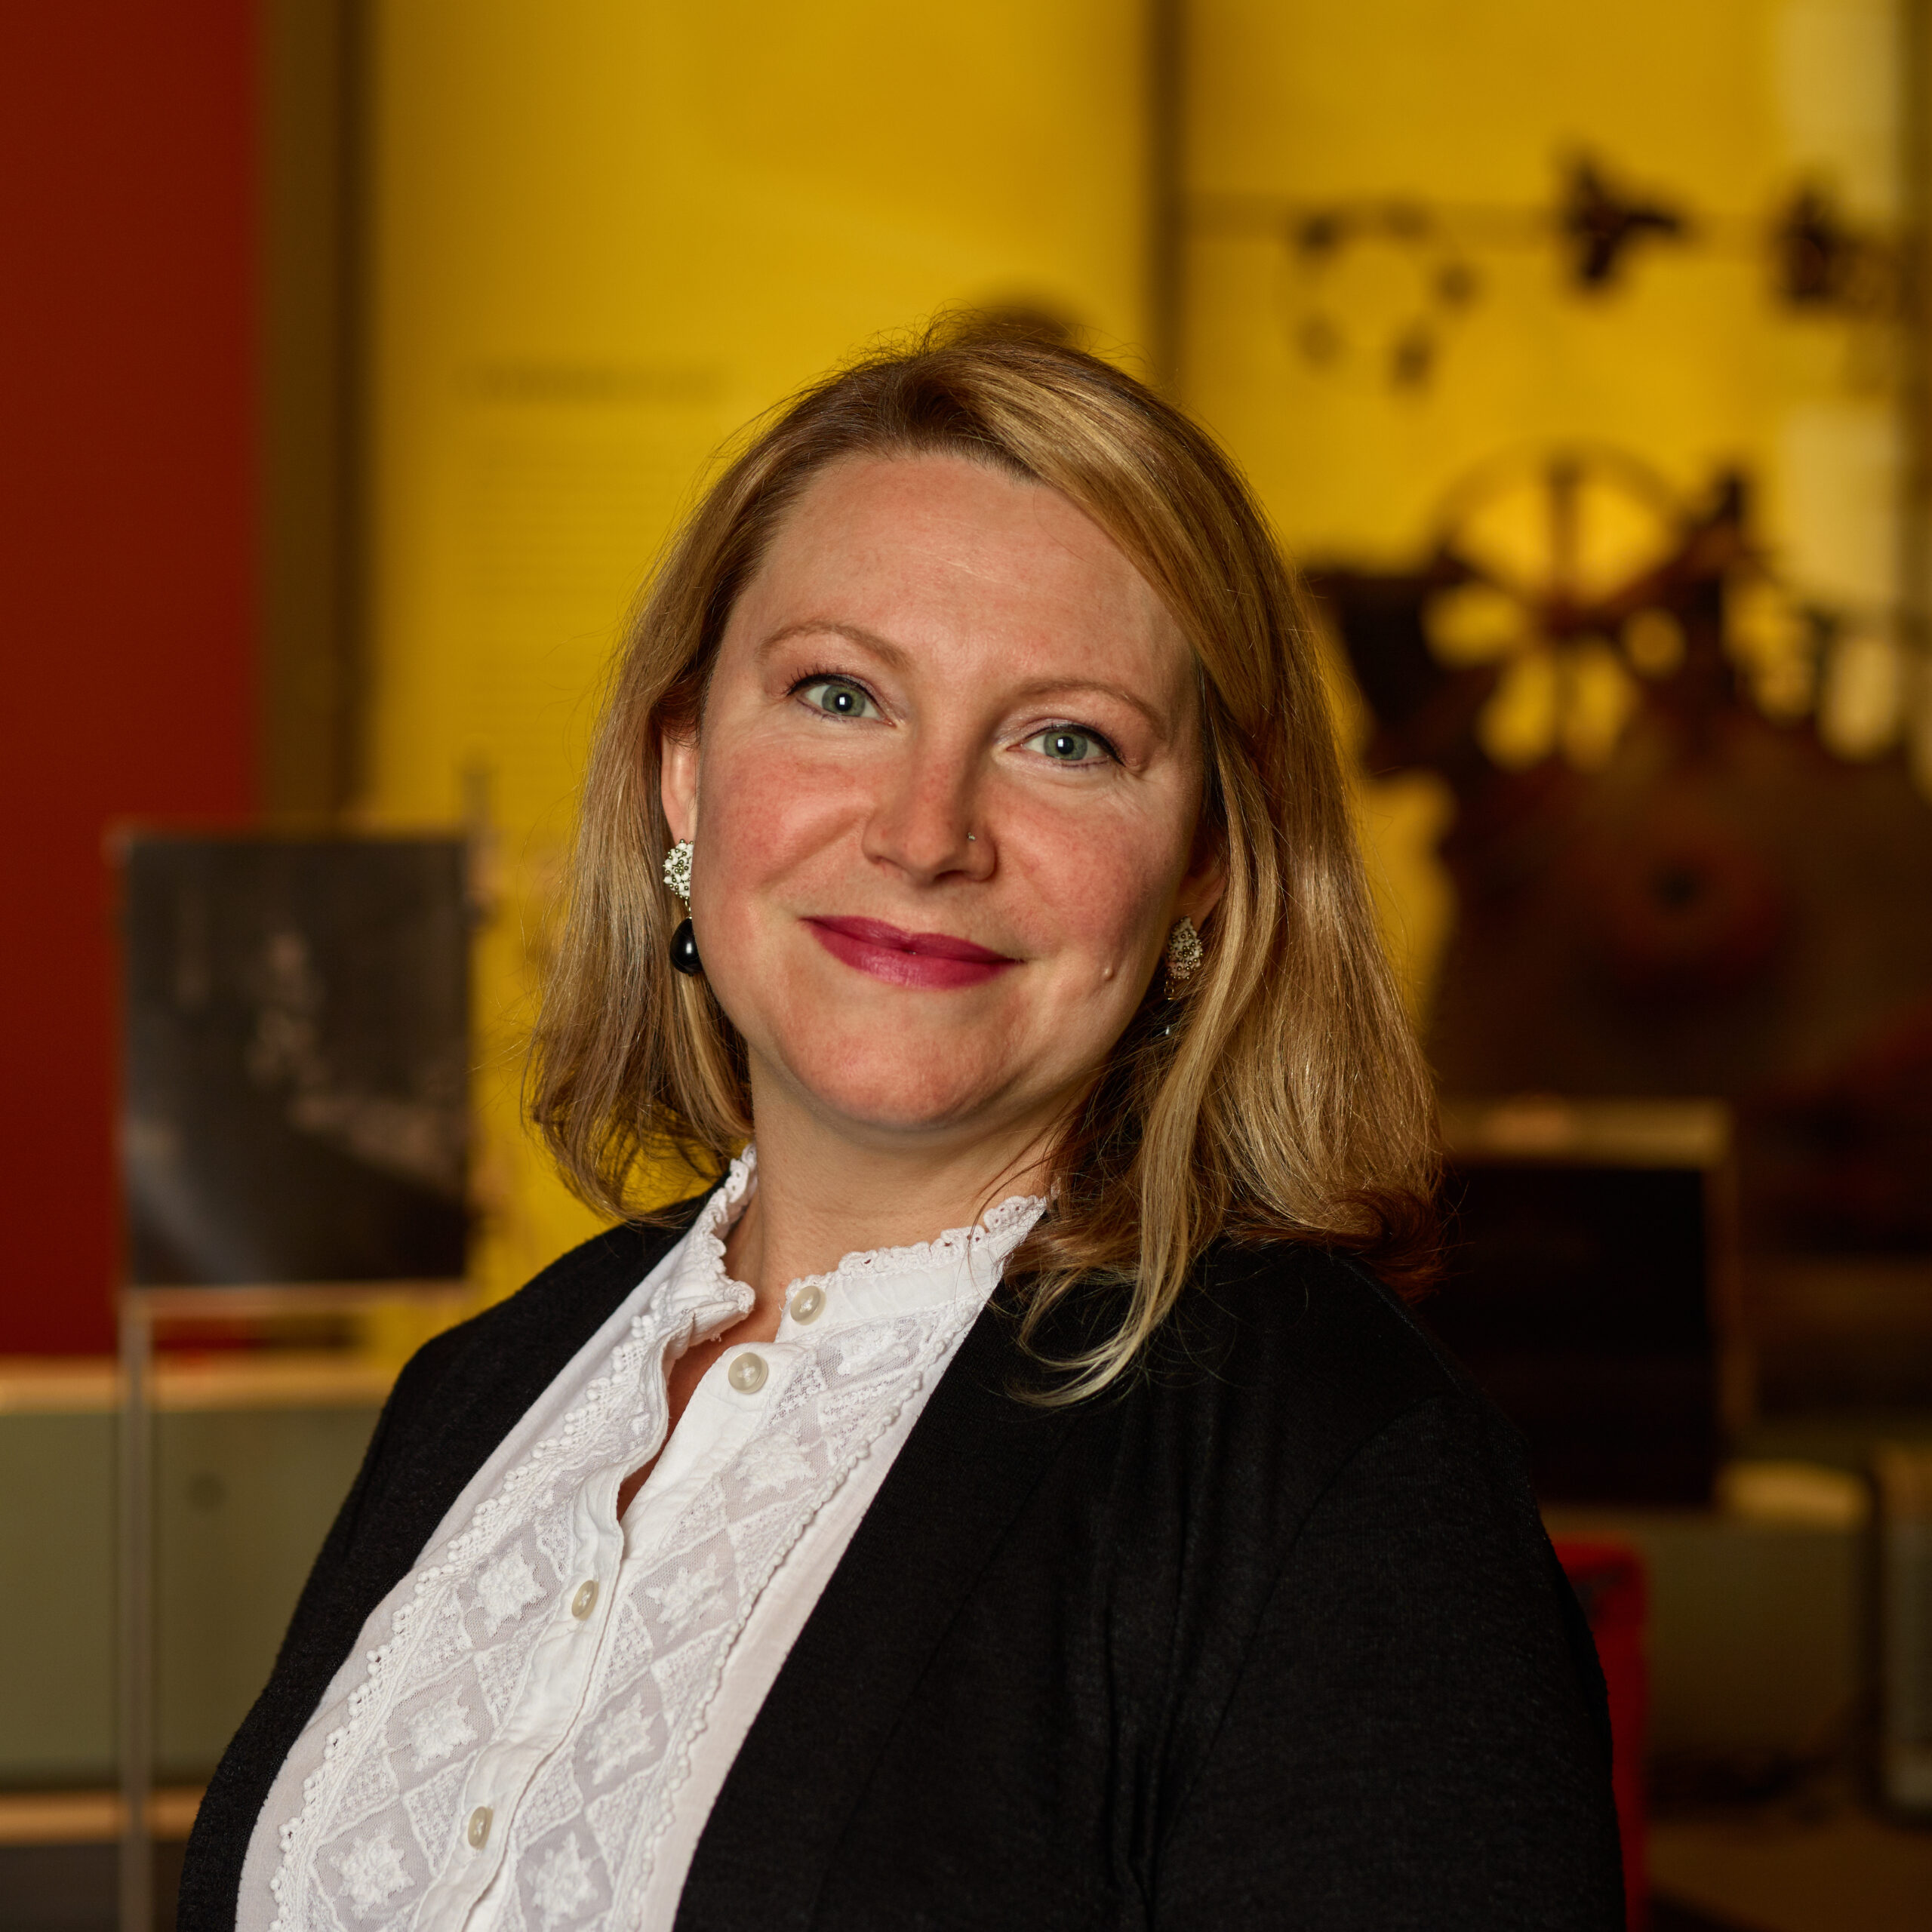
1270	1637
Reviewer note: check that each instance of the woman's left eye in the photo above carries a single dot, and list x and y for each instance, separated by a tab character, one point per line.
1064	745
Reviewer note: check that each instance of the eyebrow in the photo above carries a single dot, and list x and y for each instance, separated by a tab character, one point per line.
894	654
898	658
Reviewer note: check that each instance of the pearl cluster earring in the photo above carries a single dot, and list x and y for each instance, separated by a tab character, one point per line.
1185	954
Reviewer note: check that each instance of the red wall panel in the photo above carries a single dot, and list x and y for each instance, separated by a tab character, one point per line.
126	490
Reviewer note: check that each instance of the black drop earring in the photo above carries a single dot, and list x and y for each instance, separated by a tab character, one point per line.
684	941
684	951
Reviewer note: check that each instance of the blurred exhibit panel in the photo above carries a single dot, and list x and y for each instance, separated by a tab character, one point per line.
126	385
1573	353
297	1047
604	237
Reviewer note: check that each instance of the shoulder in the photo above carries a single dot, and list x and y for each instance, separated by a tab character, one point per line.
516	1349
1288	1338
1340	1450
1408	1647
1283	1369
1311	1314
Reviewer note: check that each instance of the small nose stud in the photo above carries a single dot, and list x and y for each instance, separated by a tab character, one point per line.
972	838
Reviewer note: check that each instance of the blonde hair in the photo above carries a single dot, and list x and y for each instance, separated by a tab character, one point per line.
1283	1098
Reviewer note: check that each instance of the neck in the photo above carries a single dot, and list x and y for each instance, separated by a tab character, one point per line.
822	1194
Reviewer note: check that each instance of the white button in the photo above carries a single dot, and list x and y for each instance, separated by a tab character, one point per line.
585	1601
747	1373
808	1304
479	1833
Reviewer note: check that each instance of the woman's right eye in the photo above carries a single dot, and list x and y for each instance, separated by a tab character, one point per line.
838	699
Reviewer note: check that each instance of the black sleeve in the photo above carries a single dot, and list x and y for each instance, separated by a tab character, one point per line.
1417	1738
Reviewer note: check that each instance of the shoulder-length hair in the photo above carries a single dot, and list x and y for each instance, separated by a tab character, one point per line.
1283	1097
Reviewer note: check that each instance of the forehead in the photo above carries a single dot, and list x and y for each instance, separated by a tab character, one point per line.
940	550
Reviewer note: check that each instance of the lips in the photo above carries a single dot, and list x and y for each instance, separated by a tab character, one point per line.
909	959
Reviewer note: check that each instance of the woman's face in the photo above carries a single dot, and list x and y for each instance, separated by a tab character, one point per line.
943	799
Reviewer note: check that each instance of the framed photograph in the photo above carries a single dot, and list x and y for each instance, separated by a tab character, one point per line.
296	1052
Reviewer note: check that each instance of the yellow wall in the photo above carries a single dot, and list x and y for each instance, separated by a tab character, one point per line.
608	232
1722	105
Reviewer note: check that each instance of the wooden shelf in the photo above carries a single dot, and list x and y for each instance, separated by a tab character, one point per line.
91	1817
271	1378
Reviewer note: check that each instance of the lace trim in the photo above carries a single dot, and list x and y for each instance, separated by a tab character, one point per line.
1016	1212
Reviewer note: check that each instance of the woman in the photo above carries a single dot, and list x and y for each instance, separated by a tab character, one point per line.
1012	1496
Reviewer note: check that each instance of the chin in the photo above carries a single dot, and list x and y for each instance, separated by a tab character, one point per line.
898	1089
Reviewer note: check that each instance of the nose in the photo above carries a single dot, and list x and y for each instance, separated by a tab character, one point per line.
925	822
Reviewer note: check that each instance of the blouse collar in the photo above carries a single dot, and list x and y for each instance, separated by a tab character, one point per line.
960	1265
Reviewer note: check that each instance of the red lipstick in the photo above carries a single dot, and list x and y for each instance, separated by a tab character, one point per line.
907	959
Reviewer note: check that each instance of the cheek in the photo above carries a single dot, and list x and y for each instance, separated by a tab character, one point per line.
759	817
1099	891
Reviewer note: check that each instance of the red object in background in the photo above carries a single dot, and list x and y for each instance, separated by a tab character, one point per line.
126	514
1608	1578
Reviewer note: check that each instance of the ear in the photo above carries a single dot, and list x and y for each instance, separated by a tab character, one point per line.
1206	878
1201	891
677	782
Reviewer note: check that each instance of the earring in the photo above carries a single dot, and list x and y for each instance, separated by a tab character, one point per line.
684	941
677	870
1184	958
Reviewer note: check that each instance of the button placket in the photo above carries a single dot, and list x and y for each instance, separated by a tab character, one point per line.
597	1553
555	1682
482	1833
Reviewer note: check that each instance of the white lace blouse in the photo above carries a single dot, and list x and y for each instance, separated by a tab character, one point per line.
533	1727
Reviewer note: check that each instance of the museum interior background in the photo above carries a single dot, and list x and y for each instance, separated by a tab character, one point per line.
361	354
